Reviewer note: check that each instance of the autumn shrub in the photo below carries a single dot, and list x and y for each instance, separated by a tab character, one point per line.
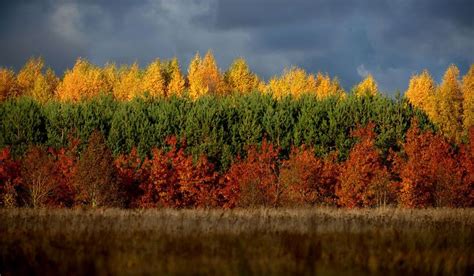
175	180
37	185
256	177
307	179
430	174
9	178
95	179
464	193
64	172
364	181
132	171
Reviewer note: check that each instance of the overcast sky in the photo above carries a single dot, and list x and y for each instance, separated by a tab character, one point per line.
390	39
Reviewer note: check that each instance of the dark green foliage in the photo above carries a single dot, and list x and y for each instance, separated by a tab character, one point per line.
22	123
220	127
63	119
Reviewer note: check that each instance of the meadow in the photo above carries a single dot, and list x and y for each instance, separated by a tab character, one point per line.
304	241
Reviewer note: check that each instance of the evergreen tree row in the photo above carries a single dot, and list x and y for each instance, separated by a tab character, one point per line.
220	127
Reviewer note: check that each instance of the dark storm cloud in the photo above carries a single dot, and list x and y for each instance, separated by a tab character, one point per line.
390	39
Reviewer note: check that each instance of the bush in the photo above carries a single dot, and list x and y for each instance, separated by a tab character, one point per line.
308	179
95	179
364	180
256	177
36	170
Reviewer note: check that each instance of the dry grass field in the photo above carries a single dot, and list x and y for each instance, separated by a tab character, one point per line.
227	242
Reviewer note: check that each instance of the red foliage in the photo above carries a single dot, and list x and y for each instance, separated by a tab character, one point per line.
308	179
364	181
254	180
9	178
37	183
132	172
430	174
64	171
176	181
463	194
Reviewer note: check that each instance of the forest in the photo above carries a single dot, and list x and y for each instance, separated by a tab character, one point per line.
131	137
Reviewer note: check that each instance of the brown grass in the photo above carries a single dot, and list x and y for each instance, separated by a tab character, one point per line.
260	241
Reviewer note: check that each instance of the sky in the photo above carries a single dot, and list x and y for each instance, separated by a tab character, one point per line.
390	39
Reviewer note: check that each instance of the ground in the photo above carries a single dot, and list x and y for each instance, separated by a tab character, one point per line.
321	241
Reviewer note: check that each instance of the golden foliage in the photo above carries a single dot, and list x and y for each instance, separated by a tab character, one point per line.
367	86
294	81
8	84
325	87
204	76
32	82
421	93
42	90
29	73
128	85
449	104
84	81
153	81
176	84
467	89
110	74
240	79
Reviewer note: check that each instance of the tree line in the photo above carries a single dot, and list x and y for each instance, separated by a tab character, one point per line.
132	137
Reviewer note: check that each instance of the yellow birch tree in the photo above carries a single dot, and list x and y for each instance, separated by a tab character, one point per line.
240	79
449	103
153	81
294	81
29	73
83	81
421	93
128	85
204	76
367	86
467	89
8	84
176	84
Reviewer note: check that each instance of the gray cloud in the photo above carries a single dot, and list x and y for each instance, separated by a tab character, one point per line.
389	39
